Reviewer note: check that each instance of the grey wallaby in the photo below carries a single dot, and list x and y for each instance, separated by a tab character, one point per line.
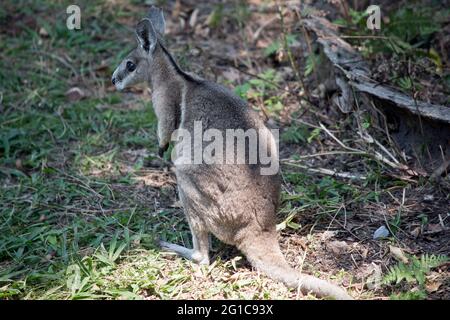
235	202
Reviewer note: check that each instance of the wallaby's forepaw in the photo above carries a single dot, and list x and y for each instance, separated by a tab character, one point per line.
161	150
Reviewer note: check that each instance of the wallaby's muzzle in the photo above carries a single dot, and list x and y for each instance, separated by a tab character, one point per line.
118	80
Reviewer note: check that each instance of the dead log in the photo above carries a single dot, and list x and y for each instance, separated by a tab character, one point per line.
350	63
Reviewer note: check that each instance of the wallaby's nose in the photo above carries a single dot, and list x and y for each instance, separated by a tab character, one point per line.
113	81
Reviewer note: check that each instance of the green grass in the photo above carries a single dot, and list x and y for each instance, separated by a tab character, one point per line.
56	217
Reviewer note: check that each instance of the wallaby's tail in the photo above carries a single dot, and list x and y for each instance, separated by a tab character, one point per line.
265	255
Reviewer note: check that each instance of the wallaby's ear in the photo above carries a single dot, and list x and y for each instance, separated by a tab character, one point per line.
156	16
146	35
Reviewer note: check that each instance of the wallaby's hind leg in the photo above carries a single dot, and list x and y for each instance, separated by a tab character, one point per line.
200	240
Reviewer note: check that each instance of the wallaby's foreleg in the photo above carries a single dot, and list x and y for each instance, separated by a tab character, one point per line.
165	129
165	105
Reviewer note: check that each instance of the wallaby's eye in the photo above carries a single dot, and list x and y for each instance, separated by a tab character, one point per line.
131	66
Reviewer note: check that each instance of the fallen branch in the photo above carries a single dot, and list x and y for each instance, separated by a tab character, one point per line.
432	111
376	155
328	172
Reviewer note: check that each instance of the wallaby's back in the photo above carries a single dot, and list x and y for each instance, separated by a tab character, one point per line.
234	193
218	107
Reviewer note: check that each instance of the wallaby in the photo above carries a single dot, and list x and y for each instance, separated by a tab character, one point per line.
232	201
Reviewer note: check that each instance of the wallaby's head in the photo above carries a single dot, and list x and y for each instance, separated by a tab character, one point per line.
136	67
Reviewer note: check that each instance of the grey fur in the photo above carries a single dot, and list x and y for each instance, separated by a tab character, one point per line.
234	202
157	17
146	35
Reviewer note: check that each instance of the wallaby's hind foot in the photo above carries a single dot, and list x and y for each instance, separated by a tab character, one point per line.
190	254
